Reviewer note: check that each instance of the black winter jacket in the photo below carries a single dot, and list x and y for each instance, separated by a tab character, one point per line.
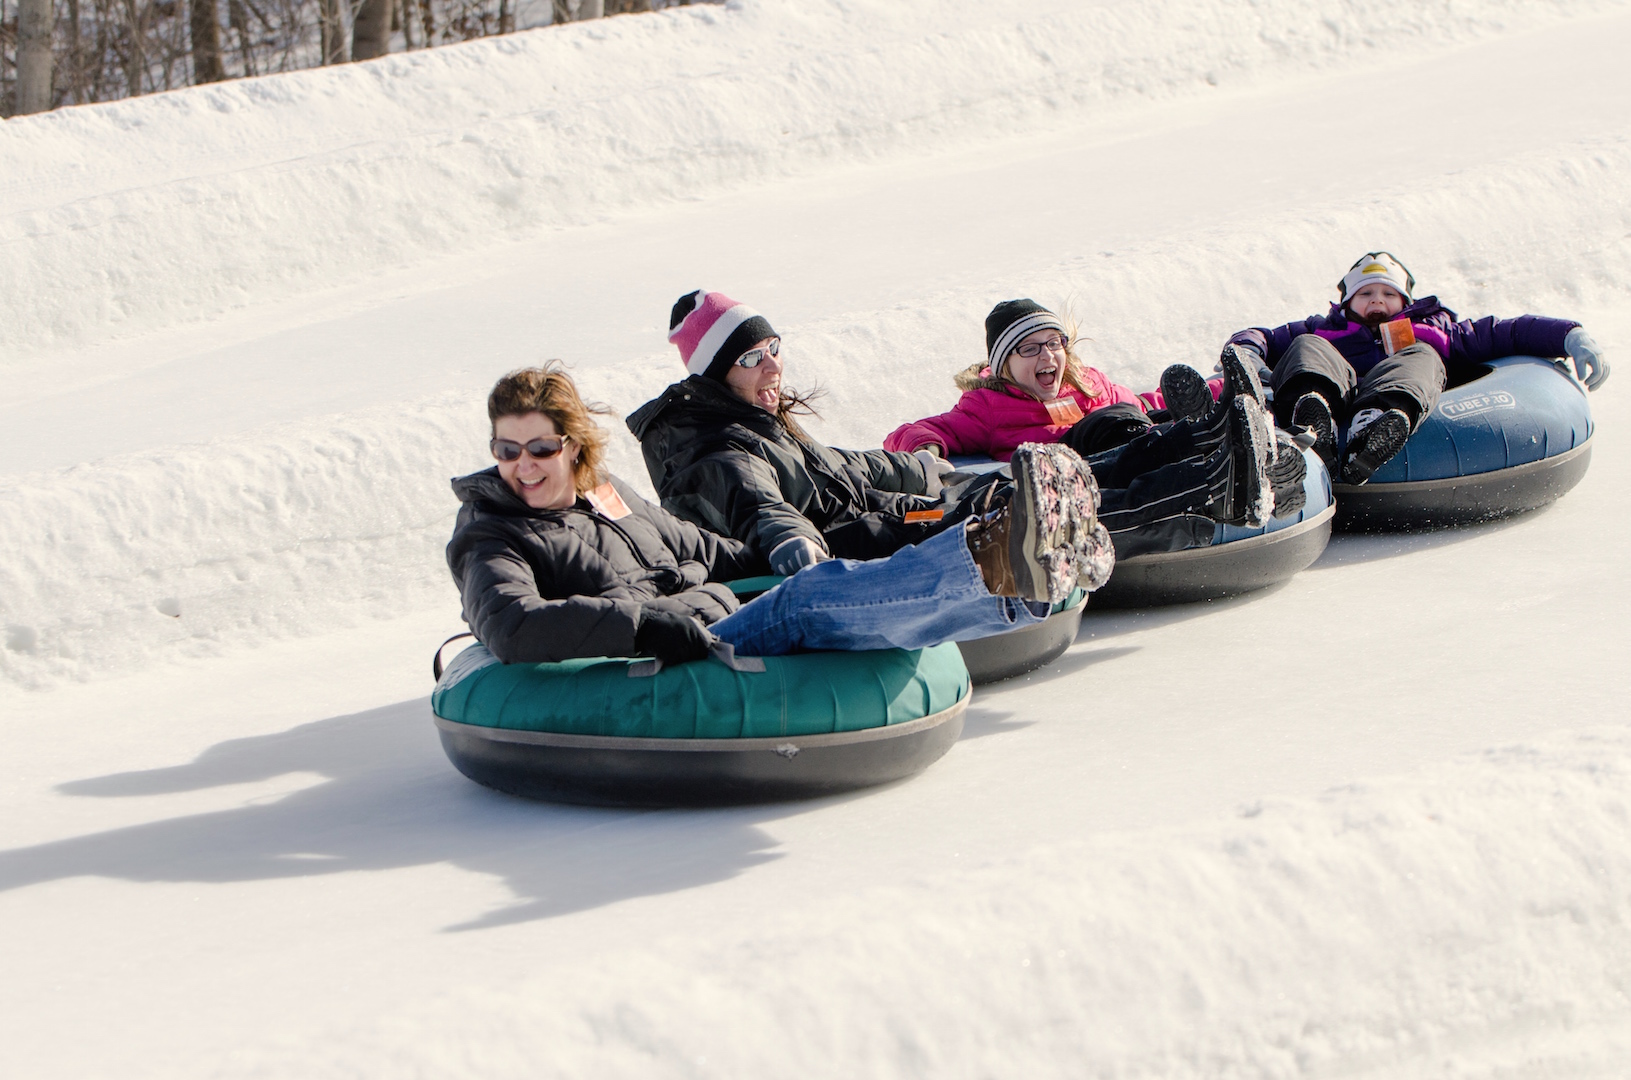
735	469
546	585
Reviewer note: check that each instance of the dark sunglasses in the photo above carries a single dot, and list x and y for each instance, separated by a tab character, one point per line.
754	357
542	449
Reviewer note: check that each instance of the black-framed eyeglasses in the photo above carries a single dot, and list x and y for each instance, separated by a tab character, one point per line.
754	357
543	449
1057	344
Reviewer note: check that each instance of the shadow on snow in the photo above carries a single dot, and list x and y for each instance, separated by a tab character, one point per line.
391	800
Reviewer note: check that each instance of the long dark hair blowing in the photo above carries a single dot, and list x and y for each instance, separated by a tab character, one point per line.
795	403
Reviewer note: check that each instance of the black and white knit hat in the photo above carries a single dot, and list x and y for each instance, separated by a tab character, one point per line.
1373	267
711	330
1009	323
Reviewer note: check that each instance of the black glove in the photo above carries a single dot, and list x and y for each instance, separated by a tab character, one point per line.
671	638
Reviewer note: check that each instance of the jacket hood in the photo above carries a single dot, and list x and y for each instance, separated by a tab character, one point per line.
487	491
976	377
696	396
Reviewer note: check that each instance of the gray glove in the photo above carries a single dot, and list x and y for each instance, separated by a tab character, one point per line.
1589	365
935	469
790	556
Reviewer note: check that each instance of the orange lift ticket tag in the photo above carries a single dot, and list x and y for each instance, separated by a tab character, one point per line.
919	517
1063	410
1398	334
610	504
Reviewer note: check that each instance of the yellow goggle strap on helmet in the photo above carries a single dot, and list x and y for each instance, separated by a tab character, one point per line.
1377	266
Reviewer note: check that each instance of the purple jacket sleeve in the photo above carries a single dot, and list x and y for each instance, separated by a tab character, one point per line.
1274	343
1475	341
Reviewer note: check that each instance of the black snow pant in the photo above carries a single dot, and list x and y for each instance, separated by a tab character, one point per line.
1155	480
1155	489
1153	495
1411	379
1106	428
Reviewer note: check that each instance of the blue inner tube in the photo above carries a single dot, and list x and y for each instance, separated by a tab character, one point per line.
1512	439
1239	559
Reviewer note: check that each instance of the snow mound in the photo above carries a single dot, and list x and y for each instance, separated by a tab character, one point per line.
1445	923
184	550
136	215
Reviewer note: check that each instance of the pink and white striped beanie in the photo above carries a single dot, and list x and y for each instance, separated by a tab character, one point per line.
711	330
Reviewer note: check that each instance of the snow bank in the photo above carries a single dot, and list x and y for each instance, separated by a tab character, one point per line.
144	213
1448	923
185	550
301	528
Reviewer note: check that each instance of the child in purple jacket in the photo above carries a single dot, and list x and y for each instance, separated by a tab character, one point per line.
1377	361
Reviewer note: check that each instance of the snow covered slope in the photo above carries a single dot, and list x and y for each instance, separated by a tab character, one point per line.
142	213
246	333
1162	228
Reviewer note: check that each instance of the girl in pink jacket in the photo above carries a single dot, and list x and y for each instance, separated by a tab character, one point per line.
1162	488
1031	390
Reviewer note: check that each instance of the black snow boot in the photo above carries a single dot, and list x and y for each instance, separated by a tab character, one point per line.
1372	441
1241	489
1286	475
1312	414
1240	377
1186	393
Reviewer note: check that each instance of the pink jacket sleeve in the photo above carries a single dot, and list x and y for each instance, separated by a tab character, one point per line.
1112	393
957	432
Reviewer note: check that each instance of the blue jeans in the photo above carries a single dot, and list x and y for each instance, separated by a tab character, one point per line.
920	596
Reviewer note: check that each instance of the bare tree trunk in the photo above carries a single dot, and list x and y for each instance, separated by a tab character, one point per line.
626	7
409	14
333	31
590	9
135	60
371	32
429	14
206	32
559	12
506	17
77	94
239	20
34	19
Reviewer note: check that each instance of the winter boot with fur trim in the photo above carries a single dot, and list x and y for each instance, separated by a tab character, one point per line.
1055	510
988	542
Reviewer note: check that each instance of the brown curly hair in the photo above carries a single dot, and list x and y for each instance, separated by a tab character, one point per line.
551	391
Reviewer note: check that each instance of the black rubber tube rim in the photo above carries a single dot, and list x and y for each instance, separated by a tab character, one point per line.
1431	503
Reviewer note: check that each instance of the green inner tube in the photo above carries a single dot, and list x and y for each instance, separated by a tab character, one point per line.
805	694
